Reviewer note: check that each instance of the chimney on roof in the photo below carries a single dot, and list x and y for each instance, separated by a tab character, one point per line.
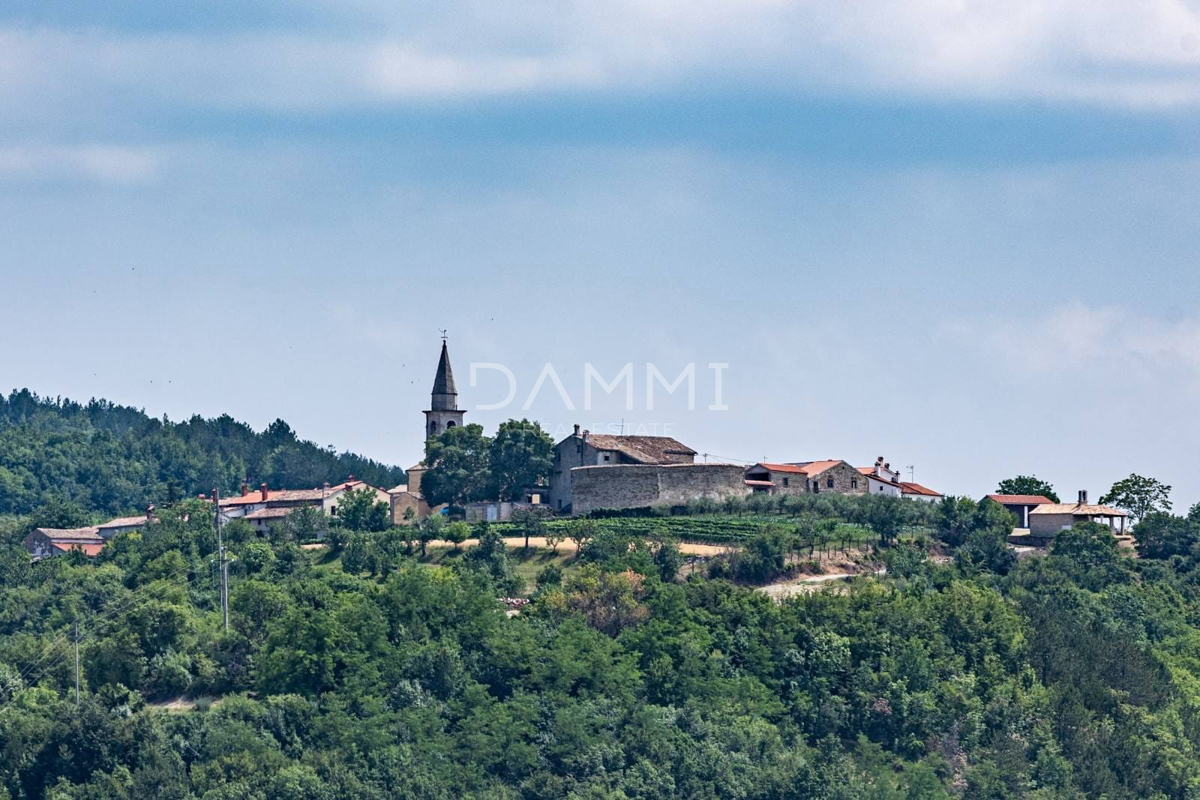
350	479
585	435
150	512
263	489
1083	497
576	428
245	489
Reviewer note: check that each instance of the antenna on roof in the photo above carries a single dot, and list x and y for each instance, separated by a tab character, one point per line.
911	473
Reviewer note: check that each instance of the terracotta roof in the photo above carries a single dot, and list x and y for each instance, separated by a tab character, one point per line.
789	468
280	496
642	449
908	487
125	522
759	483
89	534
1020	499
269	513
90	549
808	468
1079	509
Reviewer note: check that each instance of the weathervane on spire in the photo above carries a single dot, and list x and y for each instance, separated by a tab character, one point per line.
443	330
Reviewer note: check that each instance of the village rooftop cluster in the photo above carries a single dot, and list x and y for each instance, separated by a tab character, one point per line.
594	471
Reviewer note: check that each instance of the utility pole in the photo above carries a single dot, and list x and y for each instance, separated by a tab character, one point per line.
224	565
76	666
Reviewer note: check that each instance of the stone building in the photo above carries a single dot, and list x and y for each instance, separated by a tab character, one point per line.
47	542
630	485
1049	519
585	449
806	477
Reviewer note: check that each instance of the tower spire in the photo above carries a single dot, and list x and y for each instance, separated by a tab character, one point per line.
443	412
444	397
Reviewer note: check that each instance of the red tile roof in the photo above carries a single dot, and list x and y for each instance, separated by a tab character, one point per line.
808	468
1020	499
915	488
759	483
90	549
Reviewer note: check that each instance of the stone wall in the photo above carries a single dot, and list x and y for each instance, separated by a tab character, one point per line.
636	485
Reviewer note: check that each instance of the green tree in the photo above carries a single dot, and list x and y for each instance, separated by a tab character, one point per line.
1139	496
306	524
581	531
522	455
359	510
458	463
1162	535
1027	484
456	533
530	521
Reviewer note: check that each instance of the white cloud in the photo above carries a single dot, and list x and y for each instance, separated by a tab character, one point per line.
1145	54
1109	343
110	164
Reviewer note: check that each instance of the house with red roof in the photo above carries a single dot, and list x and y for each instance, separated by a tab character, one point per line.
915	491
1020	505
49	542
882	479
265	506
806	477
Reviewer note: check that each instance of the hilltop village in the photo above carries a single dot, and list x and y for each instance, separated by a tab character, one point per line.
595	473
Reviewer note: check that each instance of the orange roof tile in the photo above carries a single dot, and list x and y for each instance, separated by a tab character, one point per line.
915	488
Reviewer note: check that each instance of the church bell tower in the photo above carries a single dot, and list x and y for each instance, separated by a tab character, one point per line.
443	412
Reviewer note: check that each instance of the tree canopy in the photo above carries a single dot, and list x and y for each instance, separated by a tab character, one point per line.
112	459
1027	484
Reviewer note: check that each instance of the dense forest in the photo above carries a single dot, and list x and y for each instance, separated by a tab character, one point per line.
111	459
1074	674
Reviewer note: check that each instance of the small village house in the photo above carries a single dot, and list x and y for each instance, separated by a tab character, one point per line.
124	525
263	507
806	477
49	542
1020	505
882	479
1049	519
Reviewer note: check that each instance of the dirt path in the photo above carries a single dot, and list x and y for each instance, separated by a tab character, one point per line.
567	546
807	584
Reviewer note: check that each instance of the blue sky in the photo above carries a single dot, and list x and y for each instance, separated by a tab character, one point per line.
961	236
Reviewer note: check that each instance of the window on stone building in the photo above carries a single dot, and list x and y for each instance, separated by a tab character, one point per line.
785	481
449	424
829	482
854	483
606	456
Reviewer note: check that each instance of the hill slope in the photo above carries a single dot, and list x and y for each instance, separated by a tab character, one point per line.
110	458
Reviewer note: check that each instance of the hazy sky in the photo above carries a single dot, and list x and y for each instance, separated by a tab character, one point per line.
959	235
